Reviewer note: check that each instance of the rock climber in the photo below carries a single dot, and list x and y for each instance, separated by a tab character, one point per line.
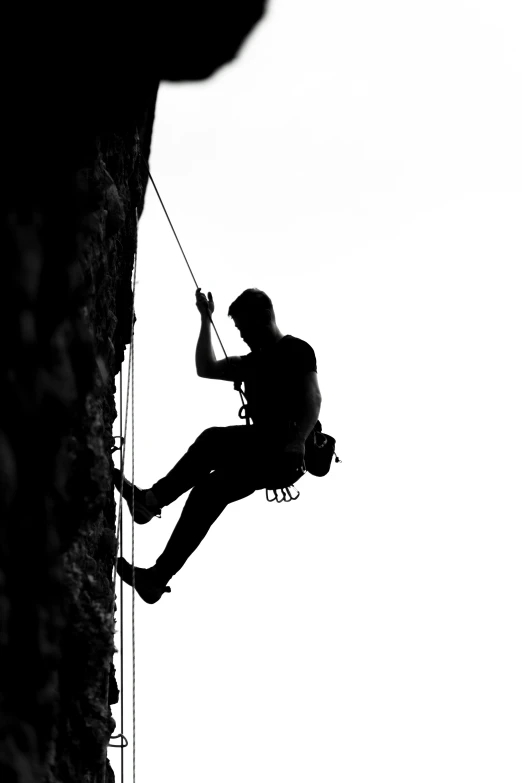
225	464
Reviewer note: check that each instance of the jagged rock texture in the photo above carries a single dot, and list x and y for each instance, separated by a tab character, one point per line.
79	126
69	321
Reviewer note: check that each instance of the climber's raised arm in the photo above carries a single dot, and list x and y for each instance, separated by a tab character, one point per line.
207	366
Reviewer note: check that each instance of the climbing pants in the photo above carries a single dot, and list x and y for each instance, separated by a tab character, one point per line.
223	465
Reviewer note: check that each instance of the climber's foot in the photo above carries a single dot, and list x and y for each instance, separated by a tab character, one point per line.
146	582
144	505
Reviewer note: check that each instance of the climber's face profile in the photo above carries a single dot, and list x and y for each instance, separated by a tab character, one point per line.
253	315
246	330
254	329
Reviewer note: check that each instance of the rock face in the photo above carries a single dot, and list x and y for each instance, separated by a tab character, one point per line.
80	106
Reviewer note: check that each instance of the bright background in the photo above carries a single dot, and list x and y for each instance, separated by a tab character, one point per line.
362	163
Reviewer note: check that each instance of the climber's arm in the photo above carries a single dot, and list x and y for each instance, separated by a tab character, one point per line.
207	366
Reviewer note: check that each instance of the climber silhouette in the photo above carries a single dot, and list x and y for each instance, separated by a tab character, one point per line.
225	464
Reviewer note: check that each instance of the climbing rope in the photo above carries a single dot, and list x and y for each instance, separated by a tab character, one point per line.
133	630
236	386
119	539
123	742
170	221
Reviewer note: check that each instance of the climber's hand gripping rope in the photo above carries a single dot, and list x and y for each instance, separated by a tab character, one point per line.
204	305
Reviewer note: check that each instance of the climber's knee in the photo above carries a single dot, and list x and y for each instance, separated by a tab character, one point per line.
229	486
208	437
208	445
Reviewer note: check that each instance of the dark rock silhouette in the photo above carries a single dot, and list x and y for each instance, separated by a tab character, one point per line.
79	106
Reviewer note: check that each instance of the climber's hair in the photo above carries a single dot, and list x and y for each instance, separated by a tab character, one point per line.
252	303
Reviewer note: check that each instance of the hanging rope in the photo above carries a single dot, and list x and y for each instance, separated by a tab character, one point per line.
170	221
237	387
119	539
133	630
123	743
180	247
124	740
119	531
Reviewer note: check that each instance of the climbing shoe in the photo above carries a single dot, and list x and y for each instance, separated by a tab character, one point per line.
144	506
146	582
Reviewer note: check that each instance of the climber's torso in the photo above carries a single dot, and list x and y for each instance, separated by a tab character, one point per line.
273	379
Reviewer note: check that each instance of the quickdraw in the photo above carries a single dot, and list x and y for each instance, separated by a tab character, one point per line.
286	494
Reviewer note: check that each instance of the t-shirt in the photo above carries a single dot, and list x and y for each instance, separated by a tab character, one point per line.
273	381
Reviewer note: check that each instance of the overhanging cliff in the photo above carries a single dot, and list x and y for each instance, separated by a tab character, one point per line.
80	105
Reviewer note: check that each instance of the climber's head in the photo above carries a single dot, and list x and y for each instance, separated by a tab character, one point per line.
253	314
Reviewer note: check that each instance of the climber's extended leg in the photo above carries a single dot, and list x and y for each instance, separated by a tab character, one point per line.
255	464
257	470
204	505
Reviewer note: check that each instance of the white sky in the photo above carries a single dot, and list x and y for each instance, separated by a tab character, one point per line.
361	162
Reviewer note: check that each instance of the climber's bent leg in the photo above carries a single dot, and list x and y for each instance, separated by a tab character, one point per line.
216	447
204	505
